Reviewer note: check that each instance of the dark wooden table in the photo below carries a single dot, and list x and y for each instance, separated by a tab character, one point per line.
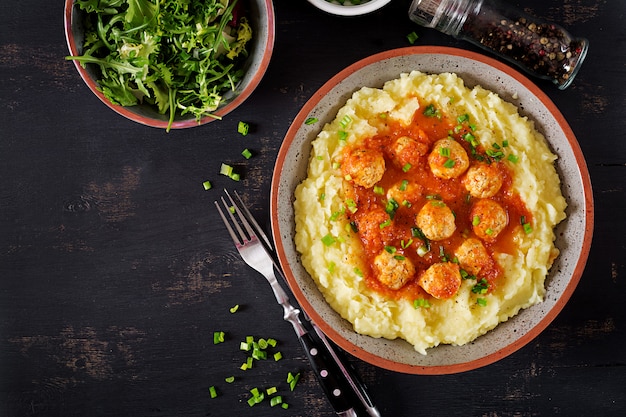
115	270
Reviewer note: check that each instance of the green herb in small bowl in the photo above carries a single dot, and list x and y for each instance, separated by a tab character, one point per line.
169	64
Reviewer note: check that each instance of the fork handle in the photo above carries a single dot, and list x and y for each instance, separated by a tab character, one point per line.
326	373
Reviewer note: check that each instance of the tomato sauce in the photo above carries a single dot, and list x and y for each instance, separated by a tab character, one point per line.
377	229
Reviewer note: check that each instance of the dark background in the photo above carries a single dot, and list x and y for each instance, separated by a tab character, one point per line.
115	269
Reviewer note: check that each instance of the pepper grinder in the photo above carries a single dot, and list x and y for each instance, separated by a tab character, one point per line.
543	49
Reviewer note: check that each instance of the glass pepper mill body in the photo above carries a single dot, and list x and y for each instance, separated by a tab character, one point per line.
544	50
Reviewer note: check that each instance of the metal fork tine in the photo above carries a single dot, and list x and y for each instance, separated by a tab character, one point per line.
243	219
227	224
242	236
250	217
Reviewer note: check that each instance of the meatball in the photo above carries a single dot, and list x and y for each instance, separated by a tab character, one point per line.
441	280
488	219
483	180
405	190
363	166
436	220
448	159
393	271
406	150
370	231
472	256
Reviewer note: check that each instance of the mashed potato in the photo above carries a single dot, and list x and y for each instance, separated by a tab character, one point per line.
390	161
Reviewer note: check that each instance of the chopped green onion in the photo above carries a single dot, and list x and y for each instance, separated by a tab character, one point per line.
391	207
284	406
406	167
234	308
527	228
390	249
336	214
212	391
310	120
412	37
403	185
292	380
218	337
226	169
444	151
257	397
345	121
207	185
328	240
243	128
385	224
476	220
379	190
406	244
481	302
278	356
432	111
351	205
512	158
246	153
463	118
274	401
343	135
442	254
271	390
421	302
230	379
423	250
481	287
449	163
358	272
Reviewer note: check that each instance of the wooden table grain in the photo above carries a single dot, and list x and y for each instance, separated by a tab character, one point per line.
115	270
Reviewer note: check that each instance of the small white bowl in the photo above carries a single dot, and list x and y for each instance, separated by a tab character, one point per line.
334	7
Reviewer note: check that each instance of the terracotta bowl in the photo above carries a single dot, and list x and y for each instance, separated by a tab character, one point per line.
261	17
573	234
348	9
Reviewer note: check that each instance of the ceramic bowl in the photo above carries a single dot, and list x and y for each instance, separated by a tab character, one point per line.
261	17
348	9
573	234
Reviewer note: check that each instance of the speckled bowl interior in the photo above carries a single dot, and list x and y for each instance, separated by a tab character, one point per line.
261	14
573	234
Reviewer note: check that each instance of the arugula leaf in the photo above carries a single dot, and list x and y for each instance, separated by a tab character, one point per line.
180	56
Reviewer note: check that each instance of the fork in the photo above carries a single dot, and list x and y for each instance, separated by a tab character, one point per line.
336	381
